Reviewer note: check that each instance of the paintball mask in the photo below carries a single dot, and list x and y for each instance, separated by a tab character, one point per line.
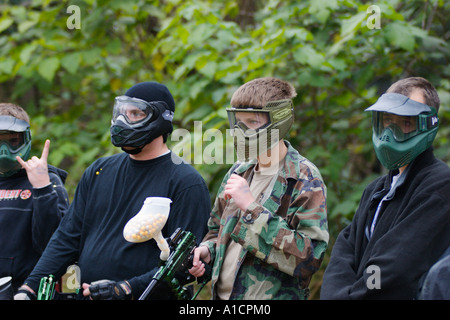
15	140
136	122
256	130
402	129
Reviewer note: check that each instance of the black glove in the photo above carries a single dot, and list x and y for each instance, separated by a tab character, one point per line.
23	294
110	290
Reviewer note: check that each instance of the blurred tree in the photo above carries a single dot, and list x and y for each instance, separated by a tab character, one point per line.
331	51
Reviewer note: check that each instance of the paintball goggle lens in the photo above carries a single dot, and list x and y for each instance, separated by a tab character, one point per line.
402	127
255	119
133	110
14	140
248	119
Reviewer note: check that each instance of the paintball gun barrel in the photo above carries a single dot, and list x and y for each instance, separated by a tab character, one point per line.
46	288
182	245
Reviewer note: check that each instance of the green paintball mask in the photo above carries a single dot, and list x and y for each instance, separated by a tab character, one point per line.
256	130
402	129
15	140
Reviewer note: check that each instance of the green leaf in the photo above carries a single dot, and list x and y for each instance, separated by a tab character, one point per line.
398	34
71	62
353	23
209	69
24	26
7	65
48	67
26	52
5	23
321	9
308	55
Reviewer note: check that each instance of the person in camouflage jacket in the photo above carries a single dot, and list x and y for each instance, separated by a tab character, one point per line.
282	236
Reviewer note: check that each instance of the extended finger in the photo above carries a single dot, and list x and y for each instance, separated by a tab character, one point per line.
22	163
196	259
45	151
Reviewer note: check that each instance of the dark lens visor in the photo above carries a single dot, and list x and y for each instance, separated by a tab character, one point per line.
14	140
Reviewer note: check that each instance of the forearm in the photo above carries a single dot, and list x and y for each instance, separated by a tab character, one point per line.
48	210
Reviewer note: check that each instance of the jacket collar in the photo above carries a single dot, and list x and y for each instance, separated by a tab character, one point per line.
421	161
290	167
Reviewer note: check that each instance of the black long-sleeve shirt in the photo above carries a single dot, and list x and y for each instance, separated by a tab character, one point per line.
112	191
28	218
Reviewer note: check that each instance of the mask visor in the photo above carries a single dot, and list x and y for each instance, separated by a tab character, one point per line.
133	111
13	140
250	121
402	127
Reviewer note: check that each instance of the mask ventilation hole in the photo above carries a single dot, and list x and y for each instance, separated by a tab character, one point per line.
385	138
404	160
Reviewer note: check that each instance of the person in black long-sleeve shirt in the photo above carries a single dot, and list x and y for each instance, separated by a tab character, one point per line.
112	191
32	196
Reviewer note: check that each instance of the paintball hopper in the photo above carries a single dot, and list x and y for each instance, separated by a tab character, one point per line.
148	223
6	290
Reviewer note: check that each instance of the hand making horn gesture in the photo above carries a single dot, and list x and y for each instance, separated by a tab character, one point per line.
37	169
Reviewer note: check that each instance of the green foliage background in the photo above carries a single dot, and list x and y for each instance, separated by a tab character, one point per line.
203	50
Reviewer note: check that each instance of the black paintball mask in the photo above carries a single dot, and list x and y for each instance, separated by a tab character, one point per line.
137	122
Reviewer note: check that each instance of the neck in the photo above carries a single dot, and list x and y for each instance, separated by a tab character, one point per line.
402	169
152	150
272	156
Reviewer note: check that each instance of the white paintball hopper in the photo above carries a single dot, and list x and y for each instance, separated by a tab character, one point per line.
148	223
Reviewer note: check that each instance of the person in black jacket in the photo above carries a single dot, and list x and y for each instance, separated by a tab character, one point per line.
32	196
402	225
113	190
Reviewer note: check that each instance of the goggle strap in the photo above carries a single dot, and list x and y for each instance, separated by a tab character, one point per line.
168	115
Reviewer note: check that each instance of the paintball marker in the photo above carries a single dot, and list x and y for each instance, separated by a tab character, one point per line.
176	256
46	288
182	245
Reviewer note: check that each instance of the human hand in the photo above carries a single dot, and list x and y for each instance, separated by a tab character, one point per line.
86	291
238	189
36	168
198	267
107	290
25	293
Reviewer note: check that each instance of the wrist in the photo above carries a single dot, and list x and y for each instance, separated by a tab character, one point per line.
27	287
246	204
25	293
41	184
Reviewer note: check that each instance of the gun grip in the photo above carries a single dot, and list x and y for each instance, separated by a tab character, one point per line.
207	275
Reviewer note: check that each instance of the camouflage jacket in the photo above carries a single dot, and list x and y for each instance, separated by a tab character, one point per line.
279	253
